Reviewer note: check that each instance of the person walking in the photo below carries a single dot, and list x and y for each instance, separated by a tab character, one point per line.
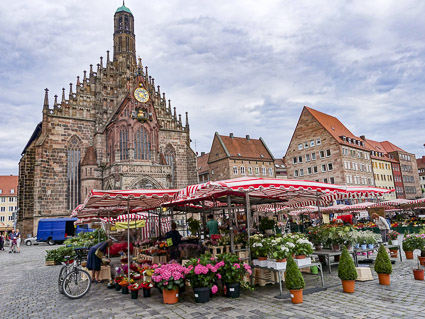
383	226
94	258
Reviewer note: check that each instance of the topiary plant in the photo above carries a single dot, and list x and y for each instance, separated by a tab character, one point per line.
346	267
293	279
383	262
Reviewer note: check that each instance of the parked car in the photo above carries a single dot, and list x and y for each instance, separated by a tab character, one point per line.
31	241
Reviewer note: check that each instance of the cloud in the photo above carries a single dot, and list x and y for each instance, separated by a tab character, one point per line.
234	66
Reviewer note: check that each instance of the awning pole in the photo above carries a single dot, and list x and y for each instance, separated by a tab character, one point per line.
232	235
248	223
128	238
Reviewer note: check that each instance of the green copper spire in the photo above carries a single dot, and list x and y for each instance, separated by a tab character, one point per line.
123	8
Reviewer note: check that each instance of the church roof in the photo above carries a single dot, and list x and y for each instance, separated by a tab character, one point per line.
90	157
123	8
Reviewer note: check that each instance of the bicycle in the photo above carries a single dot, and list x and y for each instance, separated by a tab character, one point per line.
73	281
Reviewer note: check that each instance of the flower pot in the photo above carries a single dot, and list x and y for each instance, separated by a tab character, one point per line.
394	253
262	258
409	254
124	290
299	256
348	285
146	292
134	294
421	260
202	295
117	287
233	290
357	246
314	270
364	246
370	246
170	296
296	296
281	260
394	242
418	274
384	279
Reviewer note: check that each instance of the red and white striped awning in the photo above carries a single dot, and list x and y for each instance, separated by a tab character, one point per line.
395	203
292	193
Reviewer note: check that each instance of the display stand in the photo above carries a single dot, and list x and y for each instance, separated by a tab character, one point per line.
327	253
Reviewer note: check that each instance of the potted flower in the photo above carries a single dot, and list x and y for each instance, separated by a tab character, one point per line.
394	252
383	266
418	273
259	247
267	225
294	281
202	276
303	248
278	250
124	285
169	278
134	289
412	242
393	236
147	286
370	241
347	271
231	271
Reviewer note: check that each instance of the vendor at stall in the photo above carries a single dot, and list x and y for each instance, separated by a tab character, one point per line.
383	226
212	225
94	258
173	242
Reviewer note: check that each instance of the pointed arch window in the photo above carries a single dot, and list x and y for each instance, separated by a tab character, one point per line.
73	173
123	143
143	145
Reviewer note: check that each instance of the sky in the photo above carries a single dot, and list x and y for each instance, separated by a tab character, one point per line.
244	67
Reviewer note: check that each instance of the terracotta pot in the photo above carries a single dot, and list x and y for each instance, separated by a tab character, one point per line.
394	253
299	256
170	296
281	260
348	285
421	260
418	274
384	279
262	258
296	296
409	254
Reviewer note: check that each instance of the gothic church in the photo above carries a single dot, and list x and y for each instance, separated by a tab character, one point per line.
114	130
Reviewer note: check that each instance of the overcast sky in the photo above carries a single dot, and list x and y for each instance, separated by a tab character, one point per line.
246	67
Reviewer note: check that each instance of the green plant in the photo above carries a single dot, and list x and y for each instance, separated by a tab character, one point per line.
346	267
294	278
303	247
267	223
194	226
412	242
278	249
231	269
383	262
57	255
202	271
87	239
259	246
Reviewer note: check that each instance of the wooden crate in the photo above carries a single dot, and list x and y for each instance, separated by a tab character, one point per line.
263	277
50	263
216	250
243	254
105	273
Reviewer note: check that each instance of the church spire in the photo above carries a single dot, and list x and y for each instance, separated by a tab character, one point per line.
124	38
63	95
46	98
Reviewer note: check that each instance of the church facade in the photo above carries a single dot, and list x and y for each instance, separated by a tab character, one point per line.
113	130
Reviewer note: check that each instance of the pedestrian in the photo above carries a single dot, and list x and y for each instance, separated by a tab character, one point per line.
212	225
383	226
173	242
94	258
2	242
18	239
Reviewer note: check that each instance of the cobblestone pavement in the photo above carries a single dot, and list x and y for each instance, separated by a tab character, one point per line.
29	290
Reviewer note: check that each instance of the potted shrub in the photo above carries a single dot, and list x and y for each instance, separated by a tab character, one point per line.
194	226
267	225
418	273
169	278
294	281
202	275
383	266
231	272
347	271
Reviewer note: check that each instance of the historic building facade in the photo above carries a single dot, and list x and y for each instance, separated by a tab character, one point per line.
114	130
8	201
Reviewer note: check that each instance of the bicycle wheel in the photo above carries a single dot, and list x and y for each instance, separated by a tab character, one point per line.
76	284
62	274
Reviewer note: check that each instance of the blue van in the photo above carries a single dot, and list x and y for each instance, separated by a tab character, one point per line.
56	230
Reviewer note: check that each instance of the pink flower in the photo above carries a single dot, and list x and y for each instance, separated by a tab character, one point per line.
237	266
177	275
156	278
165	283
214	289
212	258
154	266
218	276
249	271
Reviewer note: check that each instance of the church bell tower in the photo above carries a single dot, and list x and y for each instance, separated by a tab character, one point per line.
124	38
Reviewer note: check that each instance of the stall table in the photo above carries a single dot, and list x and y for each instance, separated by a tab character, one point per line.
280	271
327	253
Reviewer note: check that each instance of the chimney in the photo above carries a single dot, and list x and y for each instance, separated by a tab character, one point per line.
202	153
363	137
231	135
247	137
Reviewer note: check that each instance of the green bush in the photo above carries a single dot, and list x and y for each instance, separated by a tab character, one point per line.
267	223
293	279
346	267
383	262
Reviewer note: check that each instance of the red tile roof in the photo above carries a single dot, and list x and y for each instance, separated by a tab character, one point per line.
421	162
203	163
378	147
244	148
334	127
390	147
7	183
